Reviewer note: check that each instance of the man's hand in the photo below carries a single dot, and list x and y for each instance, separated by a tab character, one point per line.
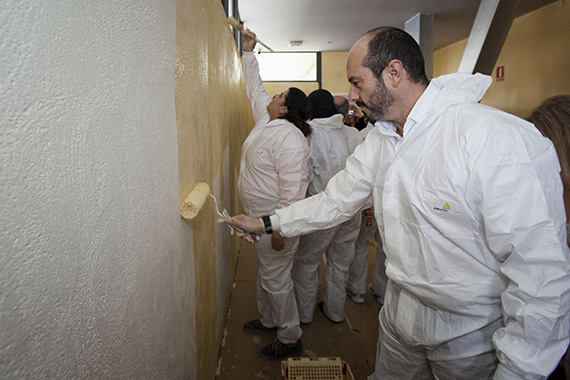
248	224
277	241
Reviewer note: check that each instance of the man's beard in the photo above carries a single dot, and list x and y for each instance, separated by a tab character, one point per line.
380	100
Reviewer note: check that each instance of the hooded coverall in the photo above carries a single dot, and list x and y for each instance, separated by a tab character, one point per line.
330	145
274	172
469	207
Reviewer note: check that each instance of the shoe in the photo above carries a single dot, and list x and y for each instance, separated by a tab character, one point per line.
356	298
278	350
380	299
255	326
322	309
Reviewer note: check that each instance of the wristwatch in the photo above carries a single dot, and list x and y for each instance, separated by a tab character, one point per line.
267	224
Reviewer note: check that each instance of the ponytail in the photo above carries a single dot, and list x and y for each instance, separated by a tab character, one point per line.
299	110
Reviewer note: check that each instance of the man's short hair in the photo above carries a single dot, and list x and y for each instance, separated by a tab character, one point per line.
388	43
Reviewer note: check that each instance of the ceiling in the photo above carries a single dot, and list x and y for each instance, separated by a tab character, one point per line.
334	25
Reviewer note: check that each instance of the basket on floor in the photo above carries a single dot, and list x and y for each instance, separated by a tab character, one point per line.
315	369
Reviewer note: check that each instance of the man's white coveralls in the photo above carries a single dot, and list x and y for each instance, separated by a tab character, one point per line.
330	145
470	211
274	172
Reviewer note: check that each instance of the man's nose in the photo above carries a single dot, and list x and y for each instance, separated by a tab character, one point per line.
353	94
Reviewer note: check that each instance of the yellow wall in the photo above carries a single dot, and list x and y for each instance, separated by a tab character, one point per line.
213	118
446	60
536	58
334	72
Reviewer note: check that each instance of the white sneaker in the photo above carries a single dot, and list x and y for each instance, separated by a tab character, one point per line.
380	299
356	298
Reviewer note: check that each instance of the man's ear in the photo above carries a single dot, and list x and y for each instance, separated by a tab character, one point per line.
283	110
395	72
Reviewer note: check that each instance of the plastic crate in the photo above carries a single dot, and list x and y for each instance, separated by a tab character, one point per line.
315	369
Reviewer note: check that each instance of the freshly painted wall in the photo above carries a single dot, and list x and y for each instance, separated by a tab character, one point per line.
213	117
535	56
108	117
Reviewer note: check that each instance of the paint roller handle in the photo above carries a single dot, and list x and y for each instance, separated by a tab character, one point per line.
247	33
264	45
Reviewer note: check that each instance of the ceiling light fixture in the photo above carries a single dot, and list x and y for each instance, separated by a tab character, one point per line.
295	43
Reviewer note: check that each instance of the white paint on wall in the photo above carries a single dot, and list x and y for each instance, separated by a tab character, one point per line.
96	280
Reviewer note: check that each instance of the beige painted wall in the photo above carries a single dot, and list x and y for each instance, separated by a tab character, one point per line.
536	58
334	72
213	118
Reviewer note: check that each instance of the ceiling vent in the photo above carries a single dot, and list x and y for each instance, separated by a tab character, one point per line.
295	43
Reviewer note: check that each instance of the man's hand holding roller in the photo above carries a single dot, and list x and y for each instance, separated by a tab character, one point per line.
258	226
248	224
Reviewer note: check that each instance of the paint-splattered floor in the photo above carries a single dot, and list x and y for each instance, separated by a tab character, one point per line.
353	340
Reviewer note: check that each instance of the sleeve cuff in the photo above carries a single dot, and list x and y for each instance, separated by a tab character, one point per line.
275	222
247	54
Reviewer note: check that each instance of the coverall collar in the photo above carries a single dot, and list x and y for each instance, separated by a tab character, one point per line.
440	93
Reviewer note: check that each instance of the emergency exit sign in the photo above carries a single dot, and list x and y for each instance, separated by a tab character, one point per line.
500	73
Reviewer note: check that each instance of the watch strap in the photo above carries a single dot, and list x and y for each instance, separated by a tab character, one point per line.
267	224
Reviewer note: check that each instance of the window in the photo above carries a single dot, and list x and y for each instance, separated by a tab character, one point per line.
288	67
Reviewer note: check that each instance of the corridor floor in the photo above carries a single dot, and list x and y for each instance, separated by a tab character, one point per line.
353	340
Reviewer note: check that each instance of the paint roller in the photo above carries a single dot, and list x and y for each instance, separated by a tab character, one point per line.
194	201
233	22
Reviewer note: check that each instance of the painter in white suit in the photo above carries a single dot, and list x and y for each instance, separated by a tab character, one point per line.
330	145
468	201
274	173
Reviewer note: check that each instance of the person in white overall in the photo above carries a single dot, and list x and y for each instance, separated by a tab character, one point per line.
552	119
469	205
330	144
368	237
274	173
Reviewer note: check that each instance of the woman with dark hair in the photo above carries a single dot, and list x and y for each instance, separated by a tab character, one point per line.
331	144
274	173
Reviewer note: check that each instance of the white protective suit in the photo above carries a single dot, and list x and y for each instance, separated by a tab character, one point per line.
274	172
469	207
358	271
330	145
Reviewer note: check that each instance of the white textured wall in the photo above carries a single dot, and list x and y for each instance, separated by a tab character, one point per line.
96	267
